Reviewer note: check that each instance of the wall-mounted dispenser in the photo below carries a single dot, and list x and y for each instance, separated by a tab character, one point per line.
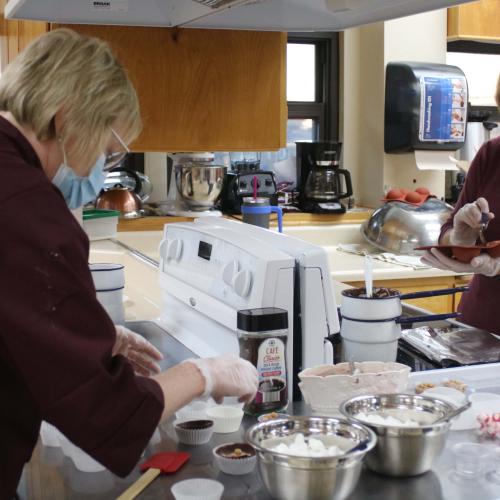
425	112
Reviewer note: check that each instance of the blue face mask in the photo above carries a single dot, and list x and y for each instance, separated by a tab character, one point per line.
79	191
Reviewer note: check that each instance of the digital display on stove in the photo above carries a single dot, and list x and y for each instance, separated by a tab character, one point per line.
204	250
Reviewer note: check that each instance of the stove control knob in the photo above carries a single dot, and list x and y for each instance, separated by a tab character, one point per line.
229	271
243	283
174	250
163	249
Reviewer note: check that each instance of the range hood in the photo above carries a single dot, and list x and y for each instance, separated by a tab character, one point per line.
277	15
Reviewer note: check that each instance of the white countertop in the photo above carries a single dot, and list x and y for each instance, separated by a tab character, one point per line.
142	292
343	266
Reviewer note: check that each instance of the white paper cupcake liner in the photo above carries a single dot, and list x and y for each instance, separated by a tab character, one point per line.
234	466
197	489
193	437
226	418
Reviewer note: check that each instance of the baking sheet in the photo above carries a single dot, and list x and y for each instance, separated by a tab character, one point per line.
465	346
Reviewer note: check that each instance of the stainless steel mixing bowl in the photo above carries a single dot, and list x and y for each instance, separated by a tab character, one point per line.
402	451
398	227
290	477
199	185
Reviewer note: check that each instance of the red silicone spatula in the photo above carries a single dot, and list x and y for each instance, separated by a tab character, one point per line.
166	463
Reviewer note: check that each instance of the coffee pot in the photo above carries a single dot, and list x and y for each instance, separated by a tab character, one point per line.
321	181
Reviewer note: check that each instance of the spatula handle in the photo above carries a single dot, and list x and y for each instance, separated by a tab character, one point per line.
148	477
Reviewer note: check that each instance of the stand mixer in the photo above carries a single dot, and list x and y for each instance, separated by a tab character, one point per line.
194	185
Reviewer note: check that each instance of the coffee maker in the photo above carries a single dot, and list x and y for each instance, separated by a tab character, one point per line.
246	179
320	180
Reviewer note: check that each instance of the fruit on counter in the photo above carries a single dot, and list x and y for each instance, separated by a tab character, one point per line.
423	191
394	194
413	197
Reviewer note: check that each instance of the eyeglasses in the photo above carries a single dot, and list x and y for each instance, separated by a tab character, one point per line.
117	157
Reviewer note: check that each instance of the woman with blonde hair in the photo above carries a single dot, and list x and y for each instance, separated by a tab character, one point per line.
480	195
67	113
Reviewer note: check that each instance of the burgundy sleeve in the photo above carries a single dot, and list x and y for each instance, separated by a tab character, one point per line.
59	338
471	190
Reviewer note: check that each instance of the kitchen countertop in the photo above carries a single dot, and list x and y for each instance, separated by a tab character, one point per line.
57	477
156	223
344	266
51	475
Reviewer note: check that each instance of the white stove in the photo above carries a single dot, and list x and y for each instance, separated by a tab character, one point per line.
213	267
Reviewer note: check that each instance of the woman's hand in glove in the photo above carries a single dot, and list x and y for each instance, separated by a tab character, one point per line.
467	222
228	375
142	355
482	264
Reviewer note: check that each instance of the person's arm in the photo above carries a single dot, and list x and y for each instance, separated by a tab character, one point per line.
180	385
226	375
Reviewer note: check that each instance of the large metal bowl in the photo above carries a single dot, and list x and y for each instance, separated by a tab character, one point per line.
398	227
290	477
402	451
199	185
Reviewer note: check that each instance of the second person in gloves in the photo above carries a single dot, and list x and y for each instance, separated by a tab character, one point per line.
480	194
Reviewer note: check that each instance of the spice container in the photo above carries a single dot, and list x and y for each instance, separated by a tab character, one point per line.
263	335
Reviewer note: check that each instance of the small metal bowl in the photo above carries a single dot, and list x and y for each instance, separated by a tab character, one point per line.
403	451
297	478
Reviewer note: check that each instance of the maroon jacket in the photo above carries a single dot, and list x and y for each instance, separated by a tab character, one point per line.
55	338
480	305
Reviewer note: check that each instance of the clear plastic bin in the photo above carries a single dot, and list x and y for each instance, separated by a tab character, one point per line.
100	224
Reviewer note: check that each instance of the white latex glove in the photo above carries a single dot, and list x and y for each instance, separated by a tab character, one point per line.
228	375
467	222
482	264
141	353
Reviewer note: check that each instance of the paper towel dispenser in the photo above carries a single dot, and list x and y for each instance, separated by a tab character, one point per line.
425	107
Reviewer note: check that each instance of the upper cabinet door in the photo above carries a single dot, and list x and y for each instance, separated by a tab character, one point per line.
203	90
477	21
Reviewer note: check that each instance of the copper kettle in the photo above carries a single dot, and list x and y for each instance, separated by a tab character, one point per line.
122	199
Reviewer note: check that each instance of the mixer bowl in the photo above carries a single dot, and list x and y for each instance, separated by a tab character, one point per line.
398	227
199	185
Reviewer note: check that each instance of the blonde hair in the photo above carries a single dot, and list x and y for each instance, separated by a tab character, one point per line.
63	70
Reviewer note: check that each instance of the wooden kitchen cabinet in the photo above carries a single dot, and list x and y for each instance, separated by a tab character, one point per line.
476	21
200	90
204	90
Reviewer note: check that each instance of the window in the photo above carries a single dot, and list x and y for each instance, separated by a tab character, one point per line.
312	86
480	62
481	71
